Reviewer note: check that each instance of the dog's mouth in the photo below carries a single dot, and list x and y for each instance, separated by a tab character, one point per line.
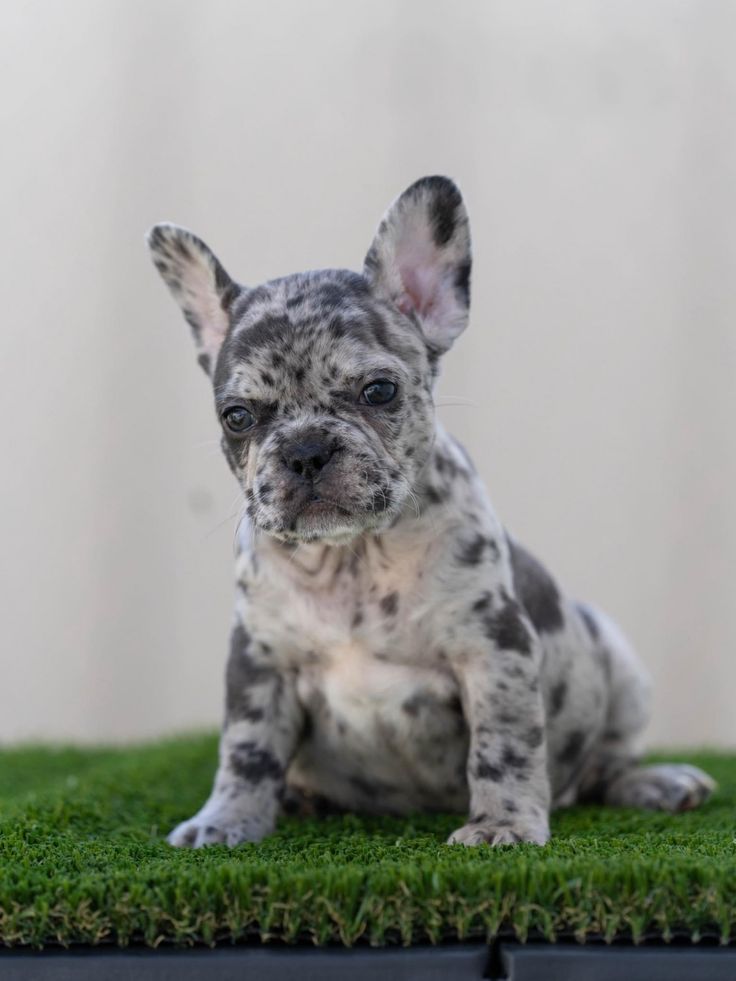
320	516
321	505
332	511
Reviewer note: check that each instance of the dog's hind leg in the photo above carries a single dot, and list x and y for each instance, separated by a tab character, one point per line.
613	774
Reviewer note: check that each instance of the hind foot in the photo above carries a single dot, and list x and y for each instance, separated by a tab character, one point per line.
665	787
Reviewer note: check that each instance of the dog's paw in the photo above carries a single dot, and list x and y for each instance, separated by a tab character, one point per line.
664	787
218	826
501	832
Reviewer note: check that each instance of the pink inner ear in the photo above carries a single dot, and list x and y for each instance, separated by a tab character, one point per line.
406	303
420	289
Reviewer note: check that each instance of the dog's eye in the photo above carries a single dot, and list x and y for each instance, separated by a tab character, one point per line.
379	392
238	419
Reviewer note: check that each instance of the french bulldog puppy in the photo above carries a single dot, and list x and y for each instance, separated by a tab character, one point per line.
393	648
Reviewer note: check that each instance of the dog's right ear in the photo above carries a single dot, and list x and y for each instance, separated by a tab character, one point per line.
420	259
198	283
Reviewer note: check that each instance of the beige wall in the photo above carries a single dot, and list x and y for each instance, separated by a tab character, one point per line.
595	143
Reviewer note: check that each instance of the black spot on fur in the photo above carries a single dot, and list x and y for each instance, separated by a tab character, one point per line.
253	763
444	221
534	737
572	748
444	201
390	604
204	362
511	758
482	604
248	298
331	295
471	553
412	705
462	283
269	331
436	495
535	589
181	247
507	629
557	697
243	674
487	771
418	701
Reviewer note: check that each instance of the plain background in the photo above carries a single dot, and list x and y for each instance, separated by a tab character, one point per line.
596	147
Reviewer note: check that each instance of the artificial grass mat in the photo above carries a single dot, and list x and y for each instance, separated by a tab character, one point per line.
83	860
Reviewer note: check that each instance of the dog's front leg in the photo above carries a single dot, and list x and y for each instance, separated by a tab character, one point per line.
262	723
498	676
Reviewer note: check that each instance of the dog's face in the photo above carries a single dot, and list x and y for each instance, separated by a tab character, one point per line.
325	401
323	380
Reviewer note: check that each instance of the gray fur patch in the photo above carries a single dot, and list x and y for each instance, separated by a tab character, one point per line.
536	589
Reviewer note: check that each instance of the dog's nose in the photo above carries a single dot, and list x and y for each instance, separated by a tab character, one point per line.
307	458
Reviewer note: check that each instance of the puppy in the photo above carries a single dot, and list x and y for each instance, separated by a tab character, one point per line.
393	649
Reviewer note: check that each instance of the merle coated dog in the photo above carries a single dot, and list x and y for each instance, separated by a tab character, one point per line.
393	648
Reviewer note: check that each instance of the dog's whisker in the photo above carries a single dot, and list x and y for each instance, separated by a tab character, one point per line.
452	403
219	525
236	534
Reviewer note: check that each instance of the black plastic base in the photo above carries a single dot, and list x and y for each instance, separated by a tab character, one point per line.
514	962
568	962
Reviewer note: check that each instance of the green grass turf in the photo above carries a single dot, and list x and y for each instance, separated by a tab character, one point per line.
83	860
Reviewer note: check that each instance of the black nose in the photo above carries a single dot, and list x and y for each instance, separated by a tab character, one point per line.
307	458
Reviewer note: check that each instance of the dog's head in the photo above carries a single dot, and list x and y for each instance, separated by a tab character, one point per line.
323	380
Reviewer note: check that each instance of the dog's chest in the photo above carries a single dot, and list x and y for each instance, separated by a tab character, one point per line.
378	699
362	693
325	607
381	735
369	664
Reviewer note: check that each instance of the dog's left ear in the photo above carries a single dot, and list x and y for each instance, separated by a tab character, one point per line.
198	283
420	259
